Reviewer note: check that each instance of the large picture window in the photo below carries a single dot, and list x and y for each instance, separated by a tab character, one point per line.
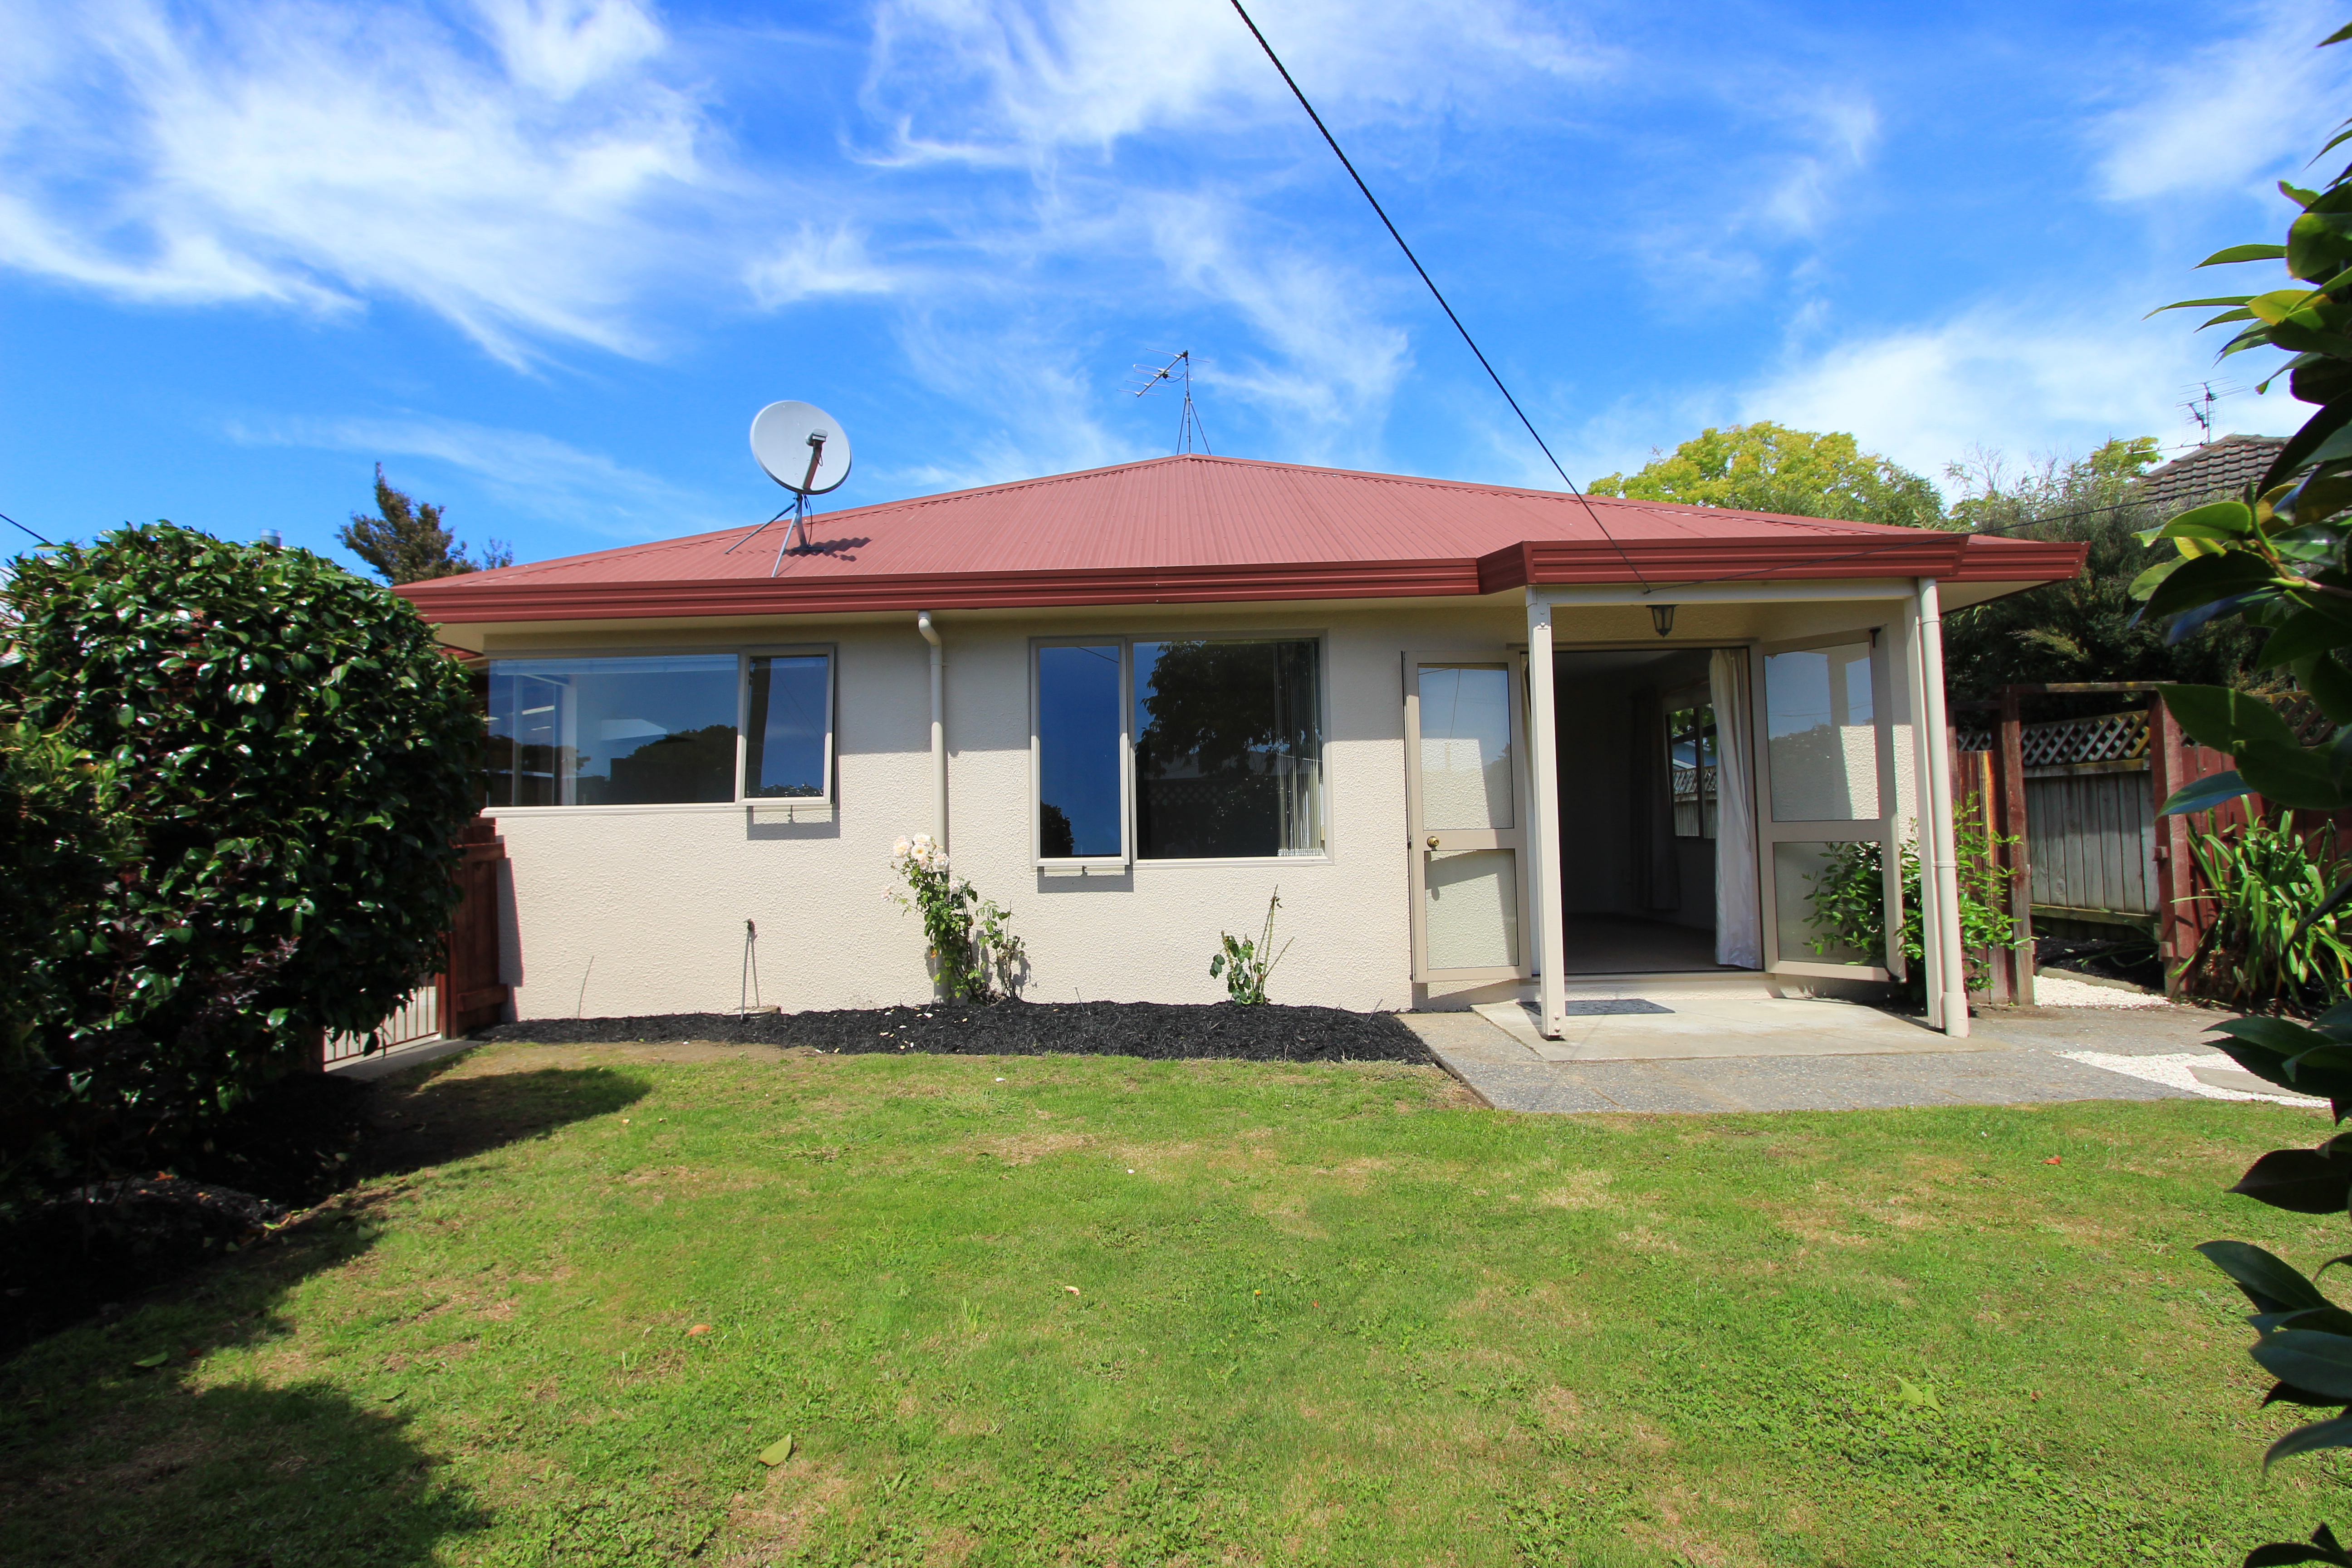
1178	749
1228	750
659	730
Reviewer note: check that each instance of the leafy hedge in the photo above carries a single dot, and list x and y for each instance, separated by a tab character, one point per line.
232	787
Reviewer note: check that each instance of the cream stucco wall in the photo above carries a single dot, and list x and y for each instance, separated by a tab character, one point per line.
641	911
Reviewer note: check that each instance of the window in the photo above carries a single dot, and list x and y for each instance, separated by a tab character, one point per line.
659	730
788	730
1228	750
1691	759
1080	814
1184	749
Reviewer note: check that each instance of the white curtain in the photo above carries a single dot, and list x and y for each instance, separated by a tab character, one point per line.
1738	914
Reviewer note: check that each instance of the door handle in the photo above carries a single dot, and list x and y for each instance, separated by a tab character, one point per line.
1433	841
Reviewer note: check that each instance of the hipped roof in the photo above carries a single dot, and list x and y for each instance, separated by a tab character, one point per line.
1199	528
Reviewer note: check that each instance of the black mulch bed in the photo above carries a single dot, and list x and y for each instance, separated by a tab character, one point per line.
1165	1031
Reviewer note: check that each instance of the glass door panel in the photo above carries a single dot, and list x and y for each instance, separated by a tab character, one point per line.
1826	803
1463	751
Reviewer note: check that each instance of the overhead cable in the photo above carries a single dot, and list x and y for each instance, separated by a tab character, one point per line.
1437	294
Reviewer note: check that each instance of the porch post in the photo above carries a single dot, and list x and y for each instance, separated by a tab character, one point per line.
1942	934
1543	823
1931	966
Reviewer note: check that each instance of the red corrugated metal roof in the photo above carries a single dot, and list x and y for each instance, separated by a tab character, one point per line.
1199	529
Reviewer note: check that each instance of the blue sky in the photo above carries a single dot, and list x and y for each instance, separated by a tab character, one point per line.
544	260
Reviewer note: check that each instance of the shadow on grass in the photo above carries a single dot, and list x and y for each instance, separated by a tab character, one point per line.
437	1118
106	1457
237	1475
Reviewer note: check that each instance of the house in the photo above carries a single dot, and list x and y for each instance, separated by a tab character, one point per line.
2214	471
1488	742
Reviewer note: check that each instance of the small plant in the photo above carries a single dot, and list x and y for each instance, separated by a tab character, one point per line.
1245	962
1849	903
973	957
2269	948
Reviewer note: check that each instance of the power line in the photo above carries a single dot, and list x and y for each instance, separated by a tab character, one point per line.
13	524
1435	293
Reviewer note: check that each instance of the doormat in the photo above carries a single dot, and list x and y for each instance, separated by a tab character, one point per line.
1607	1005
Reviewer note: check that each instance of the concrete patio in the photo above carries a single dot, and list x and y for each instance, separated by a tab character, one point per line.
1715	1049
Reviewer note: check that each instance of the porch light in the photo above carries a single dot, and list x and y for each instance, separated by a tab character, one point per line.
1662	618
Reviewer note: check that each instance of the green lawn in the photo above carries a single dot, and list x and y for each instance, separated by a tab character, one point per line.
1080	1310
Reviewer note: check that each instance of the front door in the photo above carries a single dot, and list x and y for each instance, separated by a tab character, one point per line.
1828	843
1465	813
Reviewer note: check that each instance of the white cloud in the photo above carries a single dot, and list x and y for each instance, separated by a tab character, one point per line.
2234	112
321	155
533	474
811	262
2008	380
1009	82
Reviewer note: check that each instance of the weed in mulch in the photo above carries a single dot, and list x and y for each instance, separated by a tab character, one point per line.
1164	1031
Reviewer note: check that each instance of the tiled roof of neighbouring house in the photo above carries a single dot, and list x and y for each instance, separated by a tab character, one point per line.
1199	528
2218	469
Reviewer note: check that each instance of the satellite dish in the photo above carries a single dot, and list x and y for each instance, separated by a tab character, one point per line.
801	447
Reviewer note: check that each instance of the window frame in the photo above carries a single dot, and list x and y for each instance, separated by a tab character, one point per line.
827	799
1128	859
743	654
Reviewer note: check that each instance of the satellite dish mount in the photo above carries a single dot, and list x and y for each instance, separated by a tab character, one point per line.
803	448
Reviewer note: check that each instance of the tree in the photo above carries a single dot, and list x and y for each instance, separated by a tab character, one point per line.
2088	628
404	540
1766	467
2277	559
269	759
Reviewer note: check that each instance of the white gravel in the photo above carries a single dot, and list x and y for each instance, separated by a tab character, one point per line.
2172	1072
2051	991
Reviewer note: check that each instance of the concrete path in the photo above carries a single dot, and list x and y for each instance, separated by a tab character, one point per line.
1776	1054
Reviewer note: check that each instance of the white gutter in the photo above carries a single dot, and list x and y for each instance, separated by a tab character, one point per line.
938	728
1942	918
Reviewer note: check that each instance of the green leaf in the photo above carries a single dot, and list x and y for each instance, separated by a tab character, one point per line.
2271	1283
2289	307
2325	679
150	1363
2322	1547
2205	578
2297	195
2205	793
2245	252
2317	1362
2336	1433
2224	719
2147	582
2306	632
2316	429
2216	520
2301	1181
777	1452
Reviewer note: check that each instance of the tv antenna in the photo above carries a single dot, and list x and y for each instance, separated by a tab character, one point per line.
803	448
1179	369
2200	406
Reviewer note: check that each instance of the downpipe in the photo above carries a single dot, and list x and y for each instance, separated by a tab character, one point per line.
938	728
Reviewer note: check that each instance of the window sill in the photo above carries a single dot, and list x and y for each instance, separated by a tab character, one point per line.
1320	860
684	807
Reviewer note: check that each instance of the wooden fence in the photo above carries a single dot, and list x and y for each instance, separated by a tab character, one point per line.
468	994
2080	797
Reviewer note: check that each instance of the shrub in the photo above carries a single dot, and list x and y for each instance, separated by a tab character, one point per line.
1849	903
1247	961
973	957
260	763
2269	948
